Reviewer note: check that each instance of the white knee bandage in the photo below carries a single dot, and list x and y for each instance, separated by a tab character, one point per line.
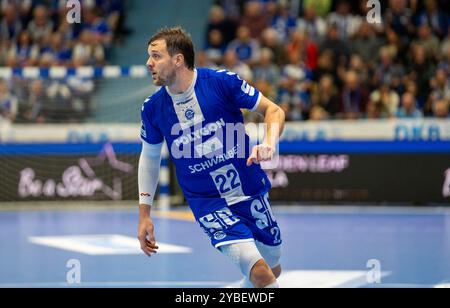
271	254
244	255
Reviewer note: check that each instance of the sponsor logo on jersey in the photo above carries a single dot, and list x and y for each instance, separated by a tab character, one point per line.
205	165
143	132
185	102
145	195
219	235
207	130
208	147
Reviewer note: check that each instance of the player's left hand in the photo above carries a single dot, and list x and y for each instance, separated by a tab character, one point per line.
260	152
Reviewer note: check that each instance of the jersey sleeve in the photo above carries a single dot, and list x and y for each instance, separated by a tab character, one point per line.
239	92
150	133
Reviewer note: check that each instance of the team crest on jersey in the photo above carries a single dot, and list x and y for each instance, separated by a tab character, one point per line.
188	111
189	114
219	235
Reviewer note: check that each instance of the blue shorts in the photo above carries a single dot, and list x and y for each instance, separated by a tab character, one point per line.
244	221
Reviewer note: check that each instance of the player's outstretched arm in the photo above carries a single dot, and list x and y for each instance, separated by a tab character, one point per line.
274	120
148	176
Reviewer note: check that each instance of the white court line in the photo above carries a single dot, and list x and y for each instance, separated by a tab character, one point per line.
116	284
361	209
177	284
292	279
321	279
102	244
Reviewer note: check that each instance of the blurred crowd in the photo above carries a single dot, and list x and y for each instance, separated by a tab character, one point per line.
322	59
37	33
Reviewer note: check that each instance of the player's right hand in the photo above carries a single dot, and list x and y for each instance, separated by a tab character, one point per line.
260	153
146	236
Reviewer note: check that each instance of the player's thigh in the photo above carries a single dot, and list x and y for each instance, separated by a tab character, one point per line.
258	216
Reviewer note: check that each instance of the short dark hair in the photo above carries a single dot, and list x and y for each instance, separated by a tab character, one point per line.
177	41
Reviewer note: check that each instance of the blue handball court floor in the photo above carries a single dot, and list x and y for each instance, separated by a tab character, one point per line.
347	246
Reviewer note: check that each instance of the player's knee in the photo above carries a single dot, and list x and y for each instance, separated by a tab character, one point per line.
271	254
245	255
261	275
276	271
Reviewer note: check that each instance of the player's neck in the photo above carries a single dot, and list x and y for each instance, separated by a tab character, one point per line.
182	82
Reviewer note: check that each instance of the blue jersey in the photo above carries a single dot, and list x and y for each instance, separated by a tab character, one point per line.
206	138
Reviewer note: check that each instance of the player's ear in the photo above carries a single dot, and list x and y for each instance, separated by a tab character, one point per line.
179	60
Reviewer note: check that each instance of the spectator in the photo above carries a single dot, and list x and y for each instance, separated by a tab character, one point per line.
346	24
40	26
317	114
8	103
69	32
321	7
202	60
5	46
232	63
31	109
394	44
386	60
360	68
87	51
387	72
440	85
36	33
254	18
232	8
312	24
98	26
57	50
299	43
283	22
215	47
325	66
398	18
114	11
326	95
435	19
246	48
218	21
266	69
427	40
334	43
353	97
266	73
24	53
421	71
408	109
365	42
387	100
374	110
10	25
441	109
271	40
445	47
294	91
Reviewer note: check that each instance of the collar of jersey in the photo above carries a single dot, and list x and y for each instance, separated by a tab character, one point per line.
186	94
